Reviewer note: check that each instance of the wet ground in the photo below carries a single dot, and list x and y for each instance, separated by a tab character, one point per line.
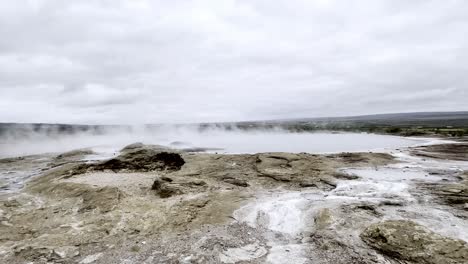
383	192
249	208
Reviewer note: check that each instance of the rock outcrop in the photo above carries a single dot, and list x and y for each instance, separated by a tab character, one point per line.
408	241
443	151
287	167
166	187
139	160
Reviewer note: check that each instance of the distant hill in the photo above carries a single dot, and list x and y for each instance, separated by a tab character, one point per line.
372	123
404	124
433	119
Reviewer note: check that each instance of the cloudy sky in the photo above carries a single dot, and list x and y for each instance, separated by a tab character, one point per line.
142	61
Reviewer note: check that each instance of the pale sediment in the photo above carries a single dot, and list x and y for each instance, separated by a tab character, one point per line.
155	205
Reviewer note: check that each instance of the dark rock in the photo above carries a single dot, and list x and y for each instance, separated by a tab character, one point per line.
167	179
352	157
156	184
367	207
141	160
11	203
443	151
78	169
329	182
197	183
237	182
393	202
346	176
280	178
165	189
307	184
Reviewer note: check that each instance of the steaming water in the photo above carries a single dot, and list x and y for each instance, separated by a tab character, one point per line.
214	140
220	141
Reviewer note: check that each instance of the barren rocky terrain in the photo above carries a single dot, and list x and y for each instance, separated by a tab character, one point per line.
151	204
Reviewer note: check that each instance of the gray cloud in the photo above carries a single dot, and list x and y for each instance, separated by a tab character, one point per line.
145	61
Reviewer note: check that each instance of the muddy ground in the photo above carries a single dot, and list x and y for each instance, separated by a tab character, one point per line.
156	205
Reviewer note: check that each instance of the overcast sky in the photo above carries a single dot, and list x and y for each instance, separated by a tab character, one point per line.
190	61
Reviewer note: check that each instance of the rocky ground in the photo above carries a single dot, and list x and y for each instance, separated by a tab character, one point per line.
152	204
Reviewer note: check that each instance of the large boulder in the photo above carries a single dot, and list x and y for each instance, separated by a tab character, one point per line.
143	160
406	240
140	160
